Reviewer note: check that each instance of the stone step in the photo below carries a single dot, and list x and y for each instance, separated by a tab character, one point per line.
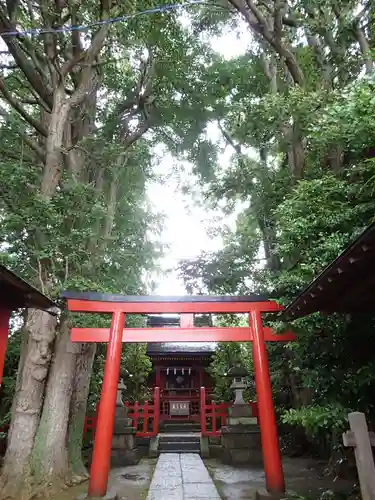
185	446
187	432
192	437
178	452
180	427
179	421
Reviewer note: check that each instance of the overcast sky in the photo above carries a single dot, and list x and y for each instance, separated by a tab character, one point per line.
186	224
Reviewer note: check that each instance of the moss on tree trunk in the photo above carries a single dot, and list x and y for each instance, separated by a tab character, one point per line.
50	456
40	329
78	408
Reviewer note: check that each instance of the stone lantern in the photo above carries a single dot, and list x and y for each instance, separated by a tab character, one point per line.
240	412
124	450
241	436
121	387
237	373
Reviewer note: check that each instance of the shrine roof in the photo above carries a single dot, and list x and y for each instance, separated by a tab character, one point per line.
346	286
187	348
16	293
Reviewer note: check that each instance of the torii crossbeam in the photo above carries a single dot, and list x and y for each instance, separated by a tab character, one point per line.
118	306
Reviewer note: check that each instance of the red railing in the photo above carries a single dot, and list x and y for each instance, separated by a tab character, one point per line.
90	424
145	416
213	415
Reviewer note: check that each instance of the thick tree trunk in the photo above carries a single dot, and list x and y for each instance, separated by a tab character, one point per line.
78	408
41	329
336	158
53	163
269	243
111	211
21	364
265	217
294	390
38	434
295	148
296	154
50	454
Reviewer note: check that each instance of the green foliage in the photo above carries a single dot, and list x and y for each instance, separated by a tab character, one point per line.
135	369
98	230
226	354
349	119
303	170
318	420
302	166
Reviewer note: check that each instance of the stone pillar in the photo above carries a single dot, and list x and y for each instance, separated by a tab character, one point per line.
124	450
241	445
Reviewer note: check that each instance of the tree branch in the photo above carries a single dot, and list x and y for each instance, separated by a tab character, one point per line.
8	66
259	24
270	70
137	134
258	14
365	49
21	110
290	21
87	78
33	76
34	146
236	147
25	137
86	87
37	58
278	19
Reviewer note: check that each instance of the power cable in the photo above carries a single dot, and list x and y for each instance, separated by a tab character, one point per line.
113	20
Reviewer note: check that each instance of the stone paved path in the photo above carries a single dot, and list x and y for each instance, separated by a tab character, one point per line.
181	477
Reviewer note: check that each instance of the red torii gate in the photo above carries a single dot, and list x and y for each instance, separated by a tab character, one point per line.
119	305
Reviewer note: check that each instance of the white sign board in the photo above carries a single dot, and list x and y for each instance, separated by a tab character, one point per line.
179	407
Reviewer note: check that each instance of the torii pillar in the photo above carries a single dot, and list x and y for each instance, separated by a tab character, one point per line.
273	468
5	314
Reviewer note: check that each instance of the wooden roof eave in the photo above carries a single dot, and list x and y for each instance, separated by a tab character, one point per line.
16	293
346	285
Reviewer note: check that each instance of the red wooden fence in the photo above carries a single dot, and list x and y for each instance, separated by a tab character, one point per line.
90	423
214	415
145	416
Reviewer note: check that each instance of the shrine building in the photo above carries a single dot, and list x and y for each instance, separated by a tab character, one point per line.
179	370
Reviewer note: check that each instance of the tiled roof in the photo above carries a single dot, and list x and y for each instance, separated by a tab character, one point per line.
181	348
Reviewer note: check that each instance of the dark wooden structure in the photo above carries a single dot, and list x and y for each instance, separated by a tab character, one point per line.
345	286
15	293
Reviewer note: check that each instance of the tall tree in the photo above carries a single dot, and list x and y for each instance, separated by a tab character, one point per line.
294	108
82	113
